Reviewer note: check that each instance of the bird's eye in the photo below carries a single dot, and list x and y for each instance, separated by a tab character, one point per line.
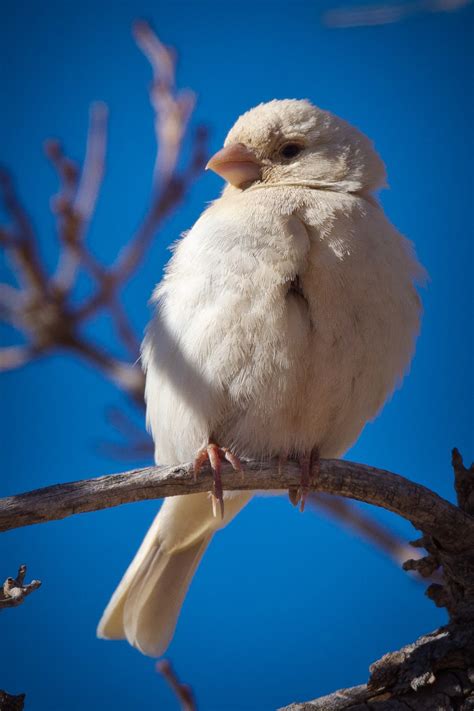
290	150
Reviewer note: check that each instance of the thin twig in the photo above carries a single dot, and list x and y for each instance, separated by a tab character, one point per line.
183	692
172	112
20	240
46	310
371	15
77	199
15	590
348	515
172	109
94	162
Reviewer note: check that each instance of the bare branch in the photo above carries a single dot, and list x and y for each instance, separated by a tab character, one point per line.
94	162
47	310
20	240
172	109
435	672
15	590
183	692
76	201
172	112
426	510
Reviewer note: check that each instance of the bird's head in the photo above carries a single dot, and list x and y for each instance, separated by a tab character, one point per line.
292	142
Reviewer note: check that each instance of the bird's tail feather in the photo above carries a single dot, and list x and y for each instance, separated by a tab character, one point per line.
145	606
156	596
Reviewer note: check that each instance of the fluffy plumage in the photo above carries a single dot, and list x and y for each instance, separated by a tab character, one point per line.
235	352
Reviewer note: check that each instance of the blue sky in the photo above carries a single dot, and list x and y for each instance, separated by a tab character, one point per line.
285	606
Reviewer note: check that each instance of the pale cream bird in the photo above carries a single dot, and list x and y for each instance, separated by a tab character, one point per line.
286	317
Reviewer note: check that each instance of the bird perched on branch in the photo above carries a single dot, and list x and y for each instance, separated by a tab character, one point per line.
286	317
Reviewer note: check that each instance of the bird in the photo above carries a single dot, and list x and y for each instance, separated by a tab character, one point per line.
286	317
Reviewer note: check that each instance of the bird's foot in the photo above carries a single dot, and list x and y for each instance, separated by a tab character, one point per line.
309	467
215	455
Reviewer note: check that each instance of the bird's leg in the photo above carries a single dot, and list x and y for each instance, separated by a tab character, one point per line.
217	494
305	474
309	474
215	455
309	467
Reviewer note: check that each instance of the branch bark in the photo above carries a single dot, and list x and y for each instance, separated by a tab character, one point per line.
436	671
426	510
8	702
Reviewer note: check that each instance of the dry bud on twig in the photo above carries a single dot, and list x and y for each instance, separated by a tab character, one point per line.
15	590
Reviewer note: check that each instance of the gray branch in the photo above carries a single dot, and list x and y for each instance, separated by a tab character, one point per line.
436	671
426	510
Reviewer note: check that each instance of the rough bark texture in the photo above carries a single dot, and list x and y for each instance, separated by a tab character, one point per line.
11	703
436	673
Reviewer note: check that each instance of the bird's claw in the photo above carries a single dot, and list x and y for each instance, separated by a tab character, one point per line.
215	455
294	494
309	467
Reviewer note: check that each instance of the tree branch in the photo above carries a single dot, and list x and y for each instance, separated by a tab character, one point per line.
435	672
426	510
48	309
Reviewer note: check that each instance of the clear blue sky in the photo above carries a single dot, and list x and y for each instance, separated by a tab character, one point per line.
285	606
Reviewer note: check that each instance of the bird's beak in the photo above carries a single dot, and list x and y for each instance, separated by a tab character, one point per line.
236	164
